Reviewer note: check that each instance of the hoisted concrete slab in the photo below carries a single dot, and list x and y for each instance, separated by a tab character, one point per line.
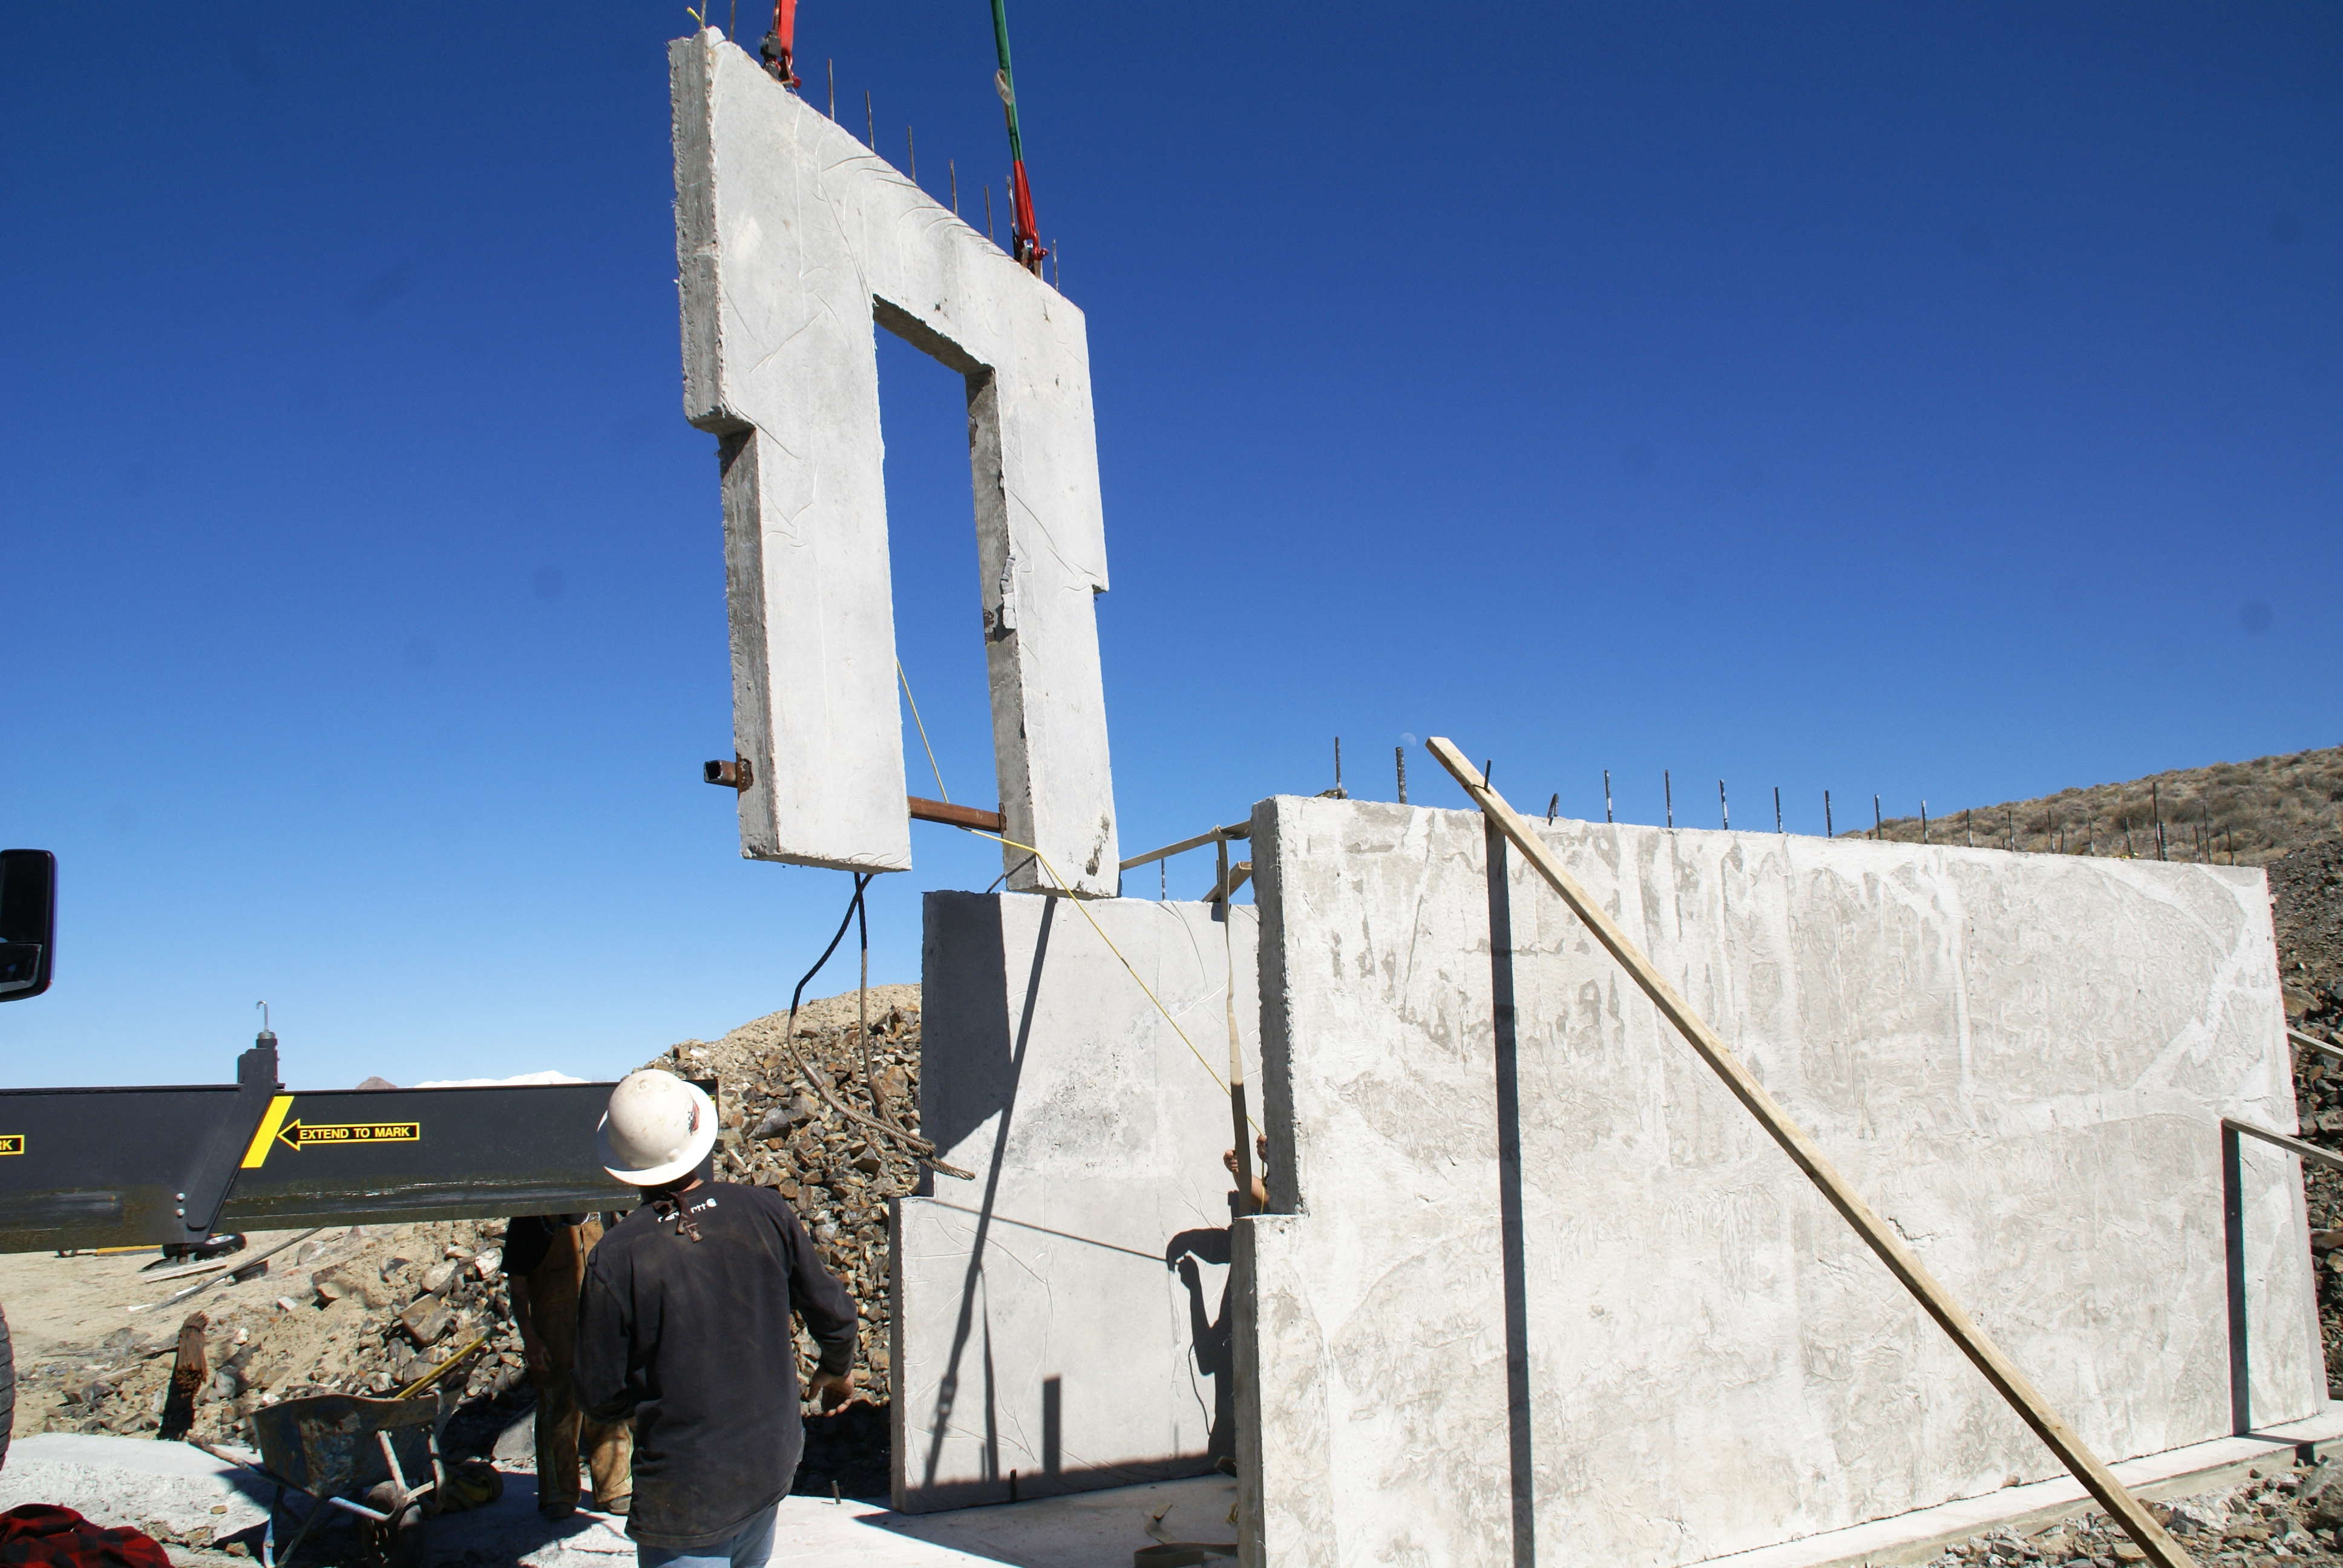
792	239
1061	1321
2021	1061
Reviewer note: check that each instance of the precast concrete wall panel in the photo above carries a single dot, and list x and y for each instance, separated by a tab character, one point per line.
2020	1061
1063	1321
792	239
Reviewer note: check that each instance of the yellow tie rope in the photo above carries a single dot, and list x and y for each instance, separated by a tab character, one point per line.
941	793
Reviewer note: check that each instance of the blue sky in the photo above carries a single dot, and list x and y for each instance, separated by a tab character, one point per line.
1940	402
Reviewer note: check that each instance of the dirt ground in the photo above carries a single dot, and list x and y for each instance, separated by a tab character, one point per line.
56	1304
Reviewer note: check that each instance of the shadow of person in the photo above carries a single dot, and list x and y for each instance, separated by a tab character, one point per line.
1209	1328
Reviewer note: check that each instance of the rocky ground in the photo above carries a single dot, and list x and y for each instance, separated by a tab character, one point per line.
2307	900
359	1311
2279	1516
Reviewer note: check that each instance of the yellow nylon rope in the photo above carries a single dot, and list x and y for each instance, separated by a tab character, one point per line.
941	793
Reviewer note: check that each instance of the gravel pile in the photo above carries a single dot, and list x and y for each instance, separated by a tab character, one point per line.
2274	1516
2306	898
365	1310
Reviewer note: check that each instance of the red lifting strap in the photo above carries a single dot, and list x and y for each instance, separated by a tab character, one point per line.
780	44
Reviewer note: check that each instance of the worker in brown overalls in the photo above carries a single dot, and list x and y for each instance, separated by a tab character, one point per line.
545	1259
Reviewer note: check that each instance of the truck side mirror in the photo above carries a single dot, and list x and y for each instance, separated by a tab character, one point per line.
28	921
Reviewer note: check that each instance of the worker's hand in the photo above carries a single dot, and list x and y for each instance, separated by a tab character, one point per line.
833	1389
533	1352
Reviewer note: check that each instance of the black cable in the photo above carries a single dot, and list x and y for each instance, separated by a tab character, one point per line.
853	908
923	1148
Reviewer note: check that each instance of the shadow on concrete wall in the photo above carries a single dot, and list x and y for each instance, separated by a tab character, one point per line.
989	1056
1004	1103
1210	1332
1509	1199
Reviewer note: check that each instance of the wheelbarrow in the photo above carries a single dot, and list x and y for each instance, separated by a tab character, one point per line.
377	1459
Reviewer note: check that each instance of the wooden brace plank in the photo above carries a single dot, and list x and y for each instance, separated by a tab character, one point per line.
1218	835
2310	1152
1236	879
2299	1038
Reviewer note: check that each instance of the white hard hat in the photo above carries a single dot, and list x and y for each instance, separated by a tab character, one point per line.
657	1128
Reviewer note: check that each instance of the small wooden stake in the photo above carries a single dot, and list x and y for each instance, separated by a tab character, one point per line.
188	1375
1807	1154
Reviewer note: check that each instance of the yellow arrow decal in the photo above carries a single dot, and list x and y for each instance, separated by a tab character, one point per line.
299	1135
255	1154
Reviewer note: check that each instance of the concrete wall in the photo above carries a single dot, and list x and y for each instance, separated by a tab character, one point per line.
790	238
1646	1339
1065	1315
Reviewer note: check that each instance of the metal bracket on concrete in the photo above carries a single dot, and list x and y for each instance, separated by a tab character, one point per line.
951	816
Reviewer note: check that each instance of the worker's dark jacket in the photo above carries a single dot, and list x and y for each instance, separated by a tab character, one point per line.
692	1341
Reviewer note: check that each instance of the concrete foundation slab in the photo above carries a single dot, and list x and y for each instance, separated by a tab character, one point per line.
1627	1329
792	238
1061	1321
137	1481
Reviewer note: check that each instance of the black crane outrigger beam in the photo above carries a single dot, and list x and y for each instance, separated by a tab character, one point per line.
165	1166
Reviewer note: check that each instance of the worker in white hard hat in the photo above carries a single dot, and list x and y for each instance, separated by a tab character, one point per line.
683	1329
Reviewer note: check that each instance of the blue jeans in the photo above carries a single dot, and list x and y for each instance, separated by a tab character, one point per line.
752	1548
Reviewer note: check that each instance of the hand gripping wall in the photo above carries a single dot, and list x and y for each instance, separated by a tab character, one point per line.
792	241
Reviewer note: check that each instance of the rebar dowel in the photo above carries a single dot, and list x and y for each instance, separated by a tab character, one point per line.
1667	794
1777	808
1399	759
1830	829
1606	795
